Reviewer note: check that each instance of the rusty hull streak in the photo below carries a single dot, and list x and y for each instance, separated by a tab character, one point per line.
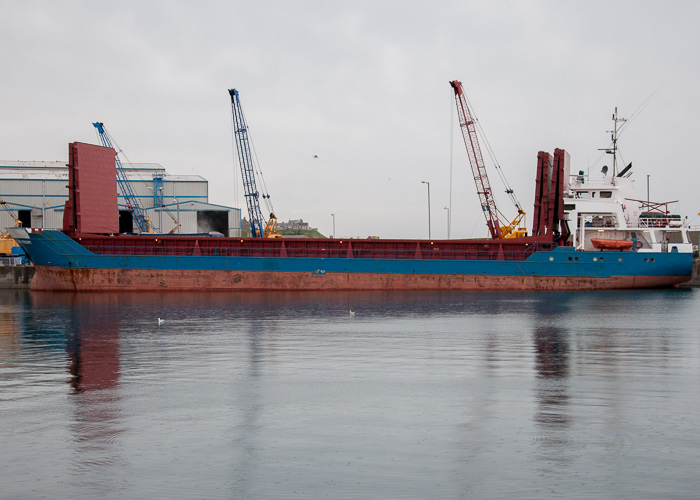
61	279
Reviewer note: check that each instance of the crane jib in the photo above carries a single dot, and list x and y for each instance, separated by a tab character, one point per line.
143	225
245	160
476	161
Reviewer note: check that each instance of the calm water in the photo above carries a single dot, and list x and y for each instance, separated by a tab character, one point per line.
437	395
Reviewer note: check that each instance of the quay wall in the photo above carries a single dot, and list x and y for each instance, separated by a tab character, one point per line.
695	280
16	277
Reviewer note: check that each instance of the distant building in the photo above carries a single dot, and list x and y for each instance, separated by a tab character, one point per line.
291	225
295	224
36	192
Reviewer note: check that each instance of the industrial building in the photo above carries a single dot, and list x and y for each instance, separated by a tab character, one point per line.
35	193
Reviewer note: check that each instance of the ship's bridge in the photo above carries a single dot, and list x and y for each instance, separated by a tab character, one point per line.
611	189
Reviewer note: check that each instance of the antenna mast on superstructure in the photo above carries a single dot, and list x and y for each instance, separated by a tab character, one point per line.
614	133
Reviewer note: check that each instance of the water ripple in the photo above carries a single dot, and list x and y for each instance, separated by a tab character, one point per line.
419	395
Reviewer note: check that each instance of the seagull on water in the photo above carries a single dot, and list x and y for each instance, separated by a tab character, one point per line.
160	321
352	313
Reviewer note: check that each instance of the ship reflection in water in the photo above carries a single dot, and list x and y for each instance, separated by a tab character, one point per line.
550	337
417	395
92	349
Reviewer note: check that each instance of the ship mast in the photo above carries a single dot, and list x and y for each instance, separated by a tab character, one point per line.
614	133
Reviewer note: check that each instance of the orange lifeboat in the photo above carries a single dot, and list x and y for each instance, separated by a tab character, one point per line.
605	244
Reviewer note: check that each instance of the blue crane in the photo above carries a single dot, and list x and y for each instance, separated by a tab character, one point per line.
143	224
258	227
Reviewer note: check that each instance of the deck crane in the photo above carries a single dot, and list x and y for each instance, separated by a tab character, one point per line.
6	241
143	224
6	207
476	160
258	227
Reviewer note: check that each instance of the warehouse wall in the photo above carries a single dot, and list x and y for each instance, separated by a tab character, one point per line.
39	190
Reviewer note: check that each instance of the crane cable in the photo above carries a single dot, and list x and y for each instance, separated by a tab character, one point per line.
489	150
636	112
256	165
117	148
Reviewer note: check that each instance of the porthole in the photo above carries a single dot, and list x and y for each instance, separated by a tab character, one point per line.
619	259
646	260
576	259
595	259
601	259
551	258
652	259
570	259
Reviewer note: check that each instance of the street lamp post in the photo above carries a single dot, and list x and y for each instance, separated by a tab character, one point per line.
428	183
448	222
333	215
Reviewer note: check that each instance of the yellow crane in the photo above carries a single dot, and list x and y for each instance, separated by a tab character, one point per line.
6	241
270	230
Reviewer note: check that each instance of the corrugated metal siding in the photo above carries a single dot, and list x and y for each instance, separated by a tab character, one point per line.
188	221
34	194
182	191
32	185
187	190
5	221
33	188
53	219
234	222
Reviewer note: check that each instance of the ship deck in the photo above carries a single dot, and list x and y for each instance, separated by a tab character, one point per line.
155	245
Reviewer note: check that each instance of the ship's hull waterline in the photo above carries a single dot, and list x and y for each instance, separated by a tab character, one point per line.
85	280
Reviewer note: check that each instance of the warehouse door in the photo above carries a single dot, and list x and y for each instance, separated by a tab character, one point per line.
26	217
212	220
126	222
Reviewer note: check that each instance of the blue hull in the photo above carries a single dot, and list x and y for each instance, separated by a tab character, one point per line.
63	263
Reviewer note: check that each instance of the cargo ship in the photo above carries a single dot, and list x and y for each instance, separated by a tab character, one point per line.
586	235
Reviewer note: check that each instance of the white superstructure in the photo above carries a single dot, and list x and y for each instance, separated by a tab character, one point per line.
607	209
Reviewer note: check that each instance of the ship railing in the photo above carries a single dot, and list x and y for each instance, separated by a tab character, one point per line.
602	221
656	219
651	223
491	251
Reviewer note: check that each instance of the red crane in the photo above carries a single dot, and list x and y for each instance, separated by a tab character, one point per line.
476	160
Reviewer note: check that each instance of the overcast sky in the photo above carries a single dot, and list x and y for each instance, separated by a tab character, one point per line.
364	86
